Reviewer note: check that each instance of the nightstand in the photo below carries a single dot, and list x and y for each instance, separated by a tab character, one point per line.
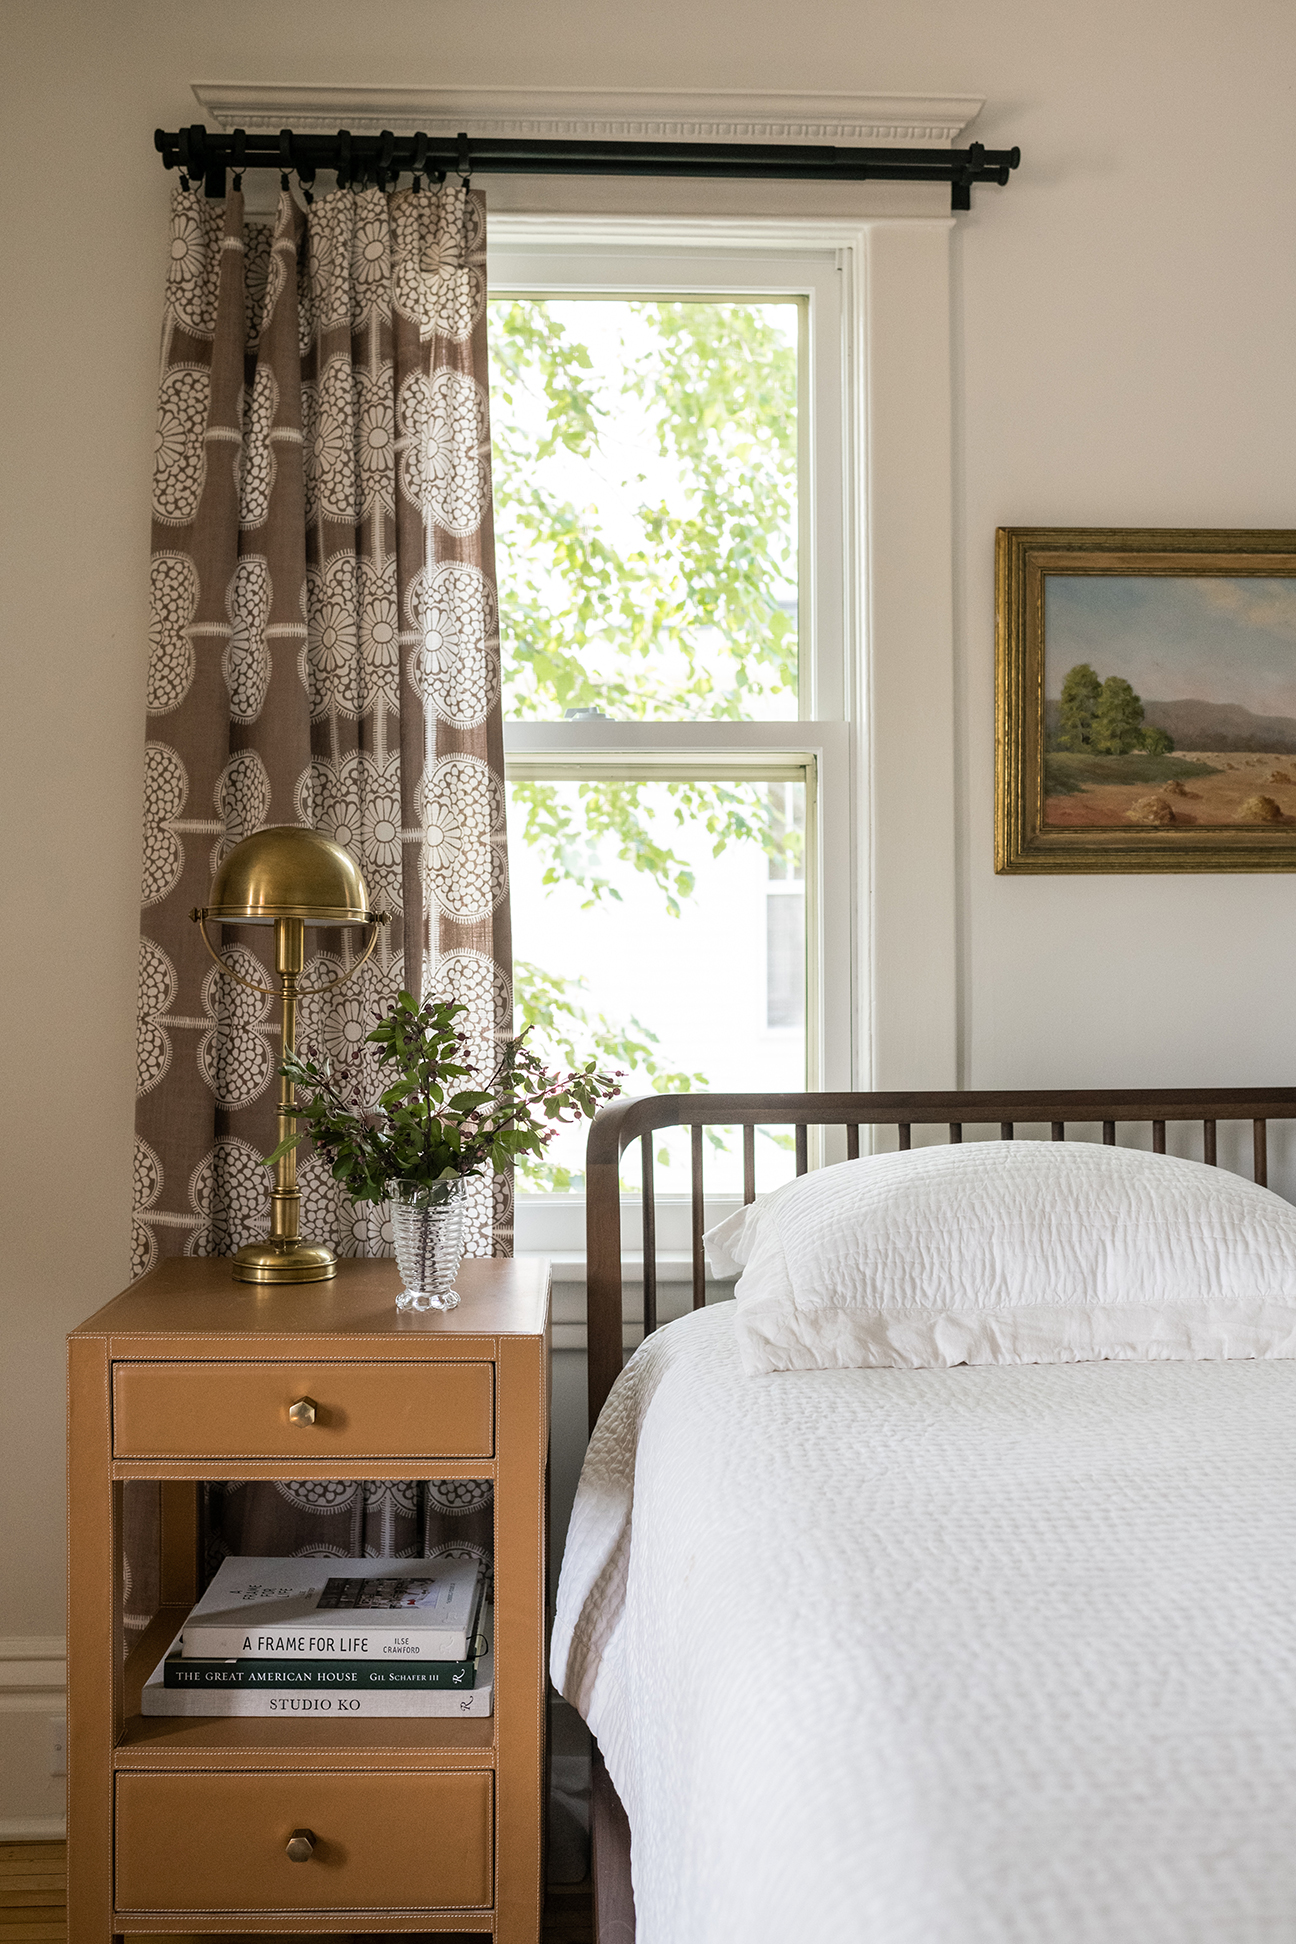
182	1825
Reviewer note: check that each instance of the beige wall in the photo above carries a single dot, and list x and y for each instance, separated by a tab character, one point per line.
1125	353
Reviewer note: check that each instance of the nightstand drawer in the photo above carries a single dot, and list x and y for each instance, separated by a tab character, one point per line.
315	1412
370	1842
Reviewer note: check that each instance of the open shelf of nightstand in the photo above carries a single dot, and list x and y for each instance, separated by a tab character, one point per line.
243	1741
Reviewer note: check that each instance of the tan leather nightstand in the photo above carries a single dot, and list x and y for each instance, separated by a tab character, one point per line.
182	1824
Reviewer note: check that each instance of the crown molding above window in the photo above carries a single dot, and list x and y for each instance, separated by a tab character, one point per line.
592	114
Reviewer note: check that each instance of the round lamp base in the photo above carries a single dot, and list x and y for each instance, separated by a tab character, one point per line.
284	1262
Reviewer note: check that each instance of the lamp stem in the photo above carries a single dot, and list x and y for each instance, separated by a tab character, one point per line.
285	1196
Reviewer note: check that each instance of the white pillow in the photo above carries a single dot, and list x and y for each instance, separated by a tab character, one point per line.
1010	1252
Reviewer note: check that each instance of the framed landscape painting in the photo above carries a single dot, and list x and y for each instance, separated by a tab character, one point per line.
1145	700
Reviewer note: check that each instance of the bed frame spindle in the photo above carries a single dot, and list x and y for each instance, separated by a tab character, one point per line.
749	1164
1058	1130
699	1223
1208	1143
649	1236
1260	1146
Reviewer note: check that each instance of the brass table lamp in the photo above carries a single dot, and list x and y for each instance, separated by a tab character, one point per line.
288	877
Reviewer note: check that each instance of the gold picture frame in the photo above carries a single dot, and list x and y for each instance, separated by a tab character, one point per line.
1083	778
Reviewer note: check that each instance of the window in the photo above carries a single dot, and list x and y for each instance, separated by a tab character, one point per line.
668	436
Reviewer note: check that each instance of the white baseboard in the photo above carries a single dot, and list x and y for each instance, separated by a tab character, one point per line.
33	1692
21	1647
33	1829
31	1664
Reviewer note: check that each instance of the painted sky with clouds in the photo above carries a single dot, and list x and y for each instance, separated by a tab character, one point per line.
1177	637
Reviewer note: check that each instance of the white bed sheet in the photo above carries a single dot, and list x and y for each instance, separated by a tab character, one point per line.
1038	1675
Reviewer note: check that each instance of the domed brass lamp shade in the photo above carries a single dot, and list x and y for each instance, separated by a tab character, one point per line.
288	877
289	872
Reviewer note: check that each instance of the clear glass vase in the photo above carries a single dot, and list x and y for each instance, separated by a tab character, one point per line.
427	1225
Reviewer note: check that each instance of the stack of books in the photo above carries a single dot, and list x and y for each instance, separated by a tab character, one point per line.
334	1637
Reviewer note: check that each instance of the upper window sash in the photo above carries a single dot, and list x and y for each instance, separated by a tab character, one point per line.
611	270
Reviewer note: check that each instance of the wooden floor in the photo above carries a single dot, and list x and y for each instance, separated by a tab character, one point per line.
31	1893
32	1901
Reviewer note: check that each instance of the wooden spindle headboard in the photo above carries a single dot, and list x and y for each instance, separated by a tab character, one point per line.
618	1126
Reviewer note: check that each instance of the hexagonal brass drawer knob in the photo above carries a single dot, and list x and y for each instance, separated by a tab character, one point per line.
303	1411
300	1846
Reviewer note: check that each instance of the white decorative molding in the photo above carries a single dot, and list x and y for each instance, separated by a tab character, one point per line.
28	1647
33	1684
32	1829
595	114
33	1673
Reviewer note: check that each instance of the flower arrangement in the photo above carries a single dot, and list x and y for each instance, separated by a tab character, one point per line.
437	1119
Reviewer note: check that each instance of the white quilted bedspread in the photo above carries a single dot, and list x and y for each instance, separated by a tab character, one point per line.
975	1656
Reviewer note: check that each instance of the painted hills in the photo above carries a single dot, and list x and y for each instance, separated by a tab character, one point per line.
1223	726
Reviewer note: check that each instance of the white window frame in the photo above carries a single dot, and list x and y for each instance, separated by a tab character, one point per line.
876	592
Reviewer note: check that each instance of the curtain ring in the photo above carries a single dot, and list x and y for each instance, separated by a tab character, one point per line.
420	159
386	148
285	157
306	177
463	162
239	156
344	158
195	149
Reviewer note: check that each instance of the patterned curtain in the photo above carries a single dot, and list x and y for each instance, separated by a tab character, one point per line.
324	651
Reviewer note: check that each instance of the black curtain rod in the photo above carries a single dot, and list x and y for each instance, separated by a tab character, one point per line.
381	159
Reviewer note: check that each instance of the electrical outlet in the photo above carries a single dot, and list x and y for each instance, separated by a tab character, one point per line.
58	1745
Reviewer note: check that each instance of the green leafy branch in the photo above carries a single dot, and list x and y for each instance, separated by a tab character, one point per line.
427	1125
720	384
573	838
551	1009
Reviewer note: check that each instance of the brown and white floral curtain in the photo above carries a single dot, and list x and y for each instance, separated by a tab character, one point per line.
324	651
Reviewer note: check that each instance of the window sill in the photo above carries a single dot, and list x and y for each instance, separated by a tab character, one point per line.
567	1266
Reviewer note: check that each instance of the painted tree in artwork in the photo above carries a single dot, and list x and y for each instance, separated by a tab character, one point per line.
1118	719
1080	696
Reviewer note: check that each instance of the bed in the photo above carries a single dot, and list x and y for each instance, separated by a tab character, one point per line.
931	1656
